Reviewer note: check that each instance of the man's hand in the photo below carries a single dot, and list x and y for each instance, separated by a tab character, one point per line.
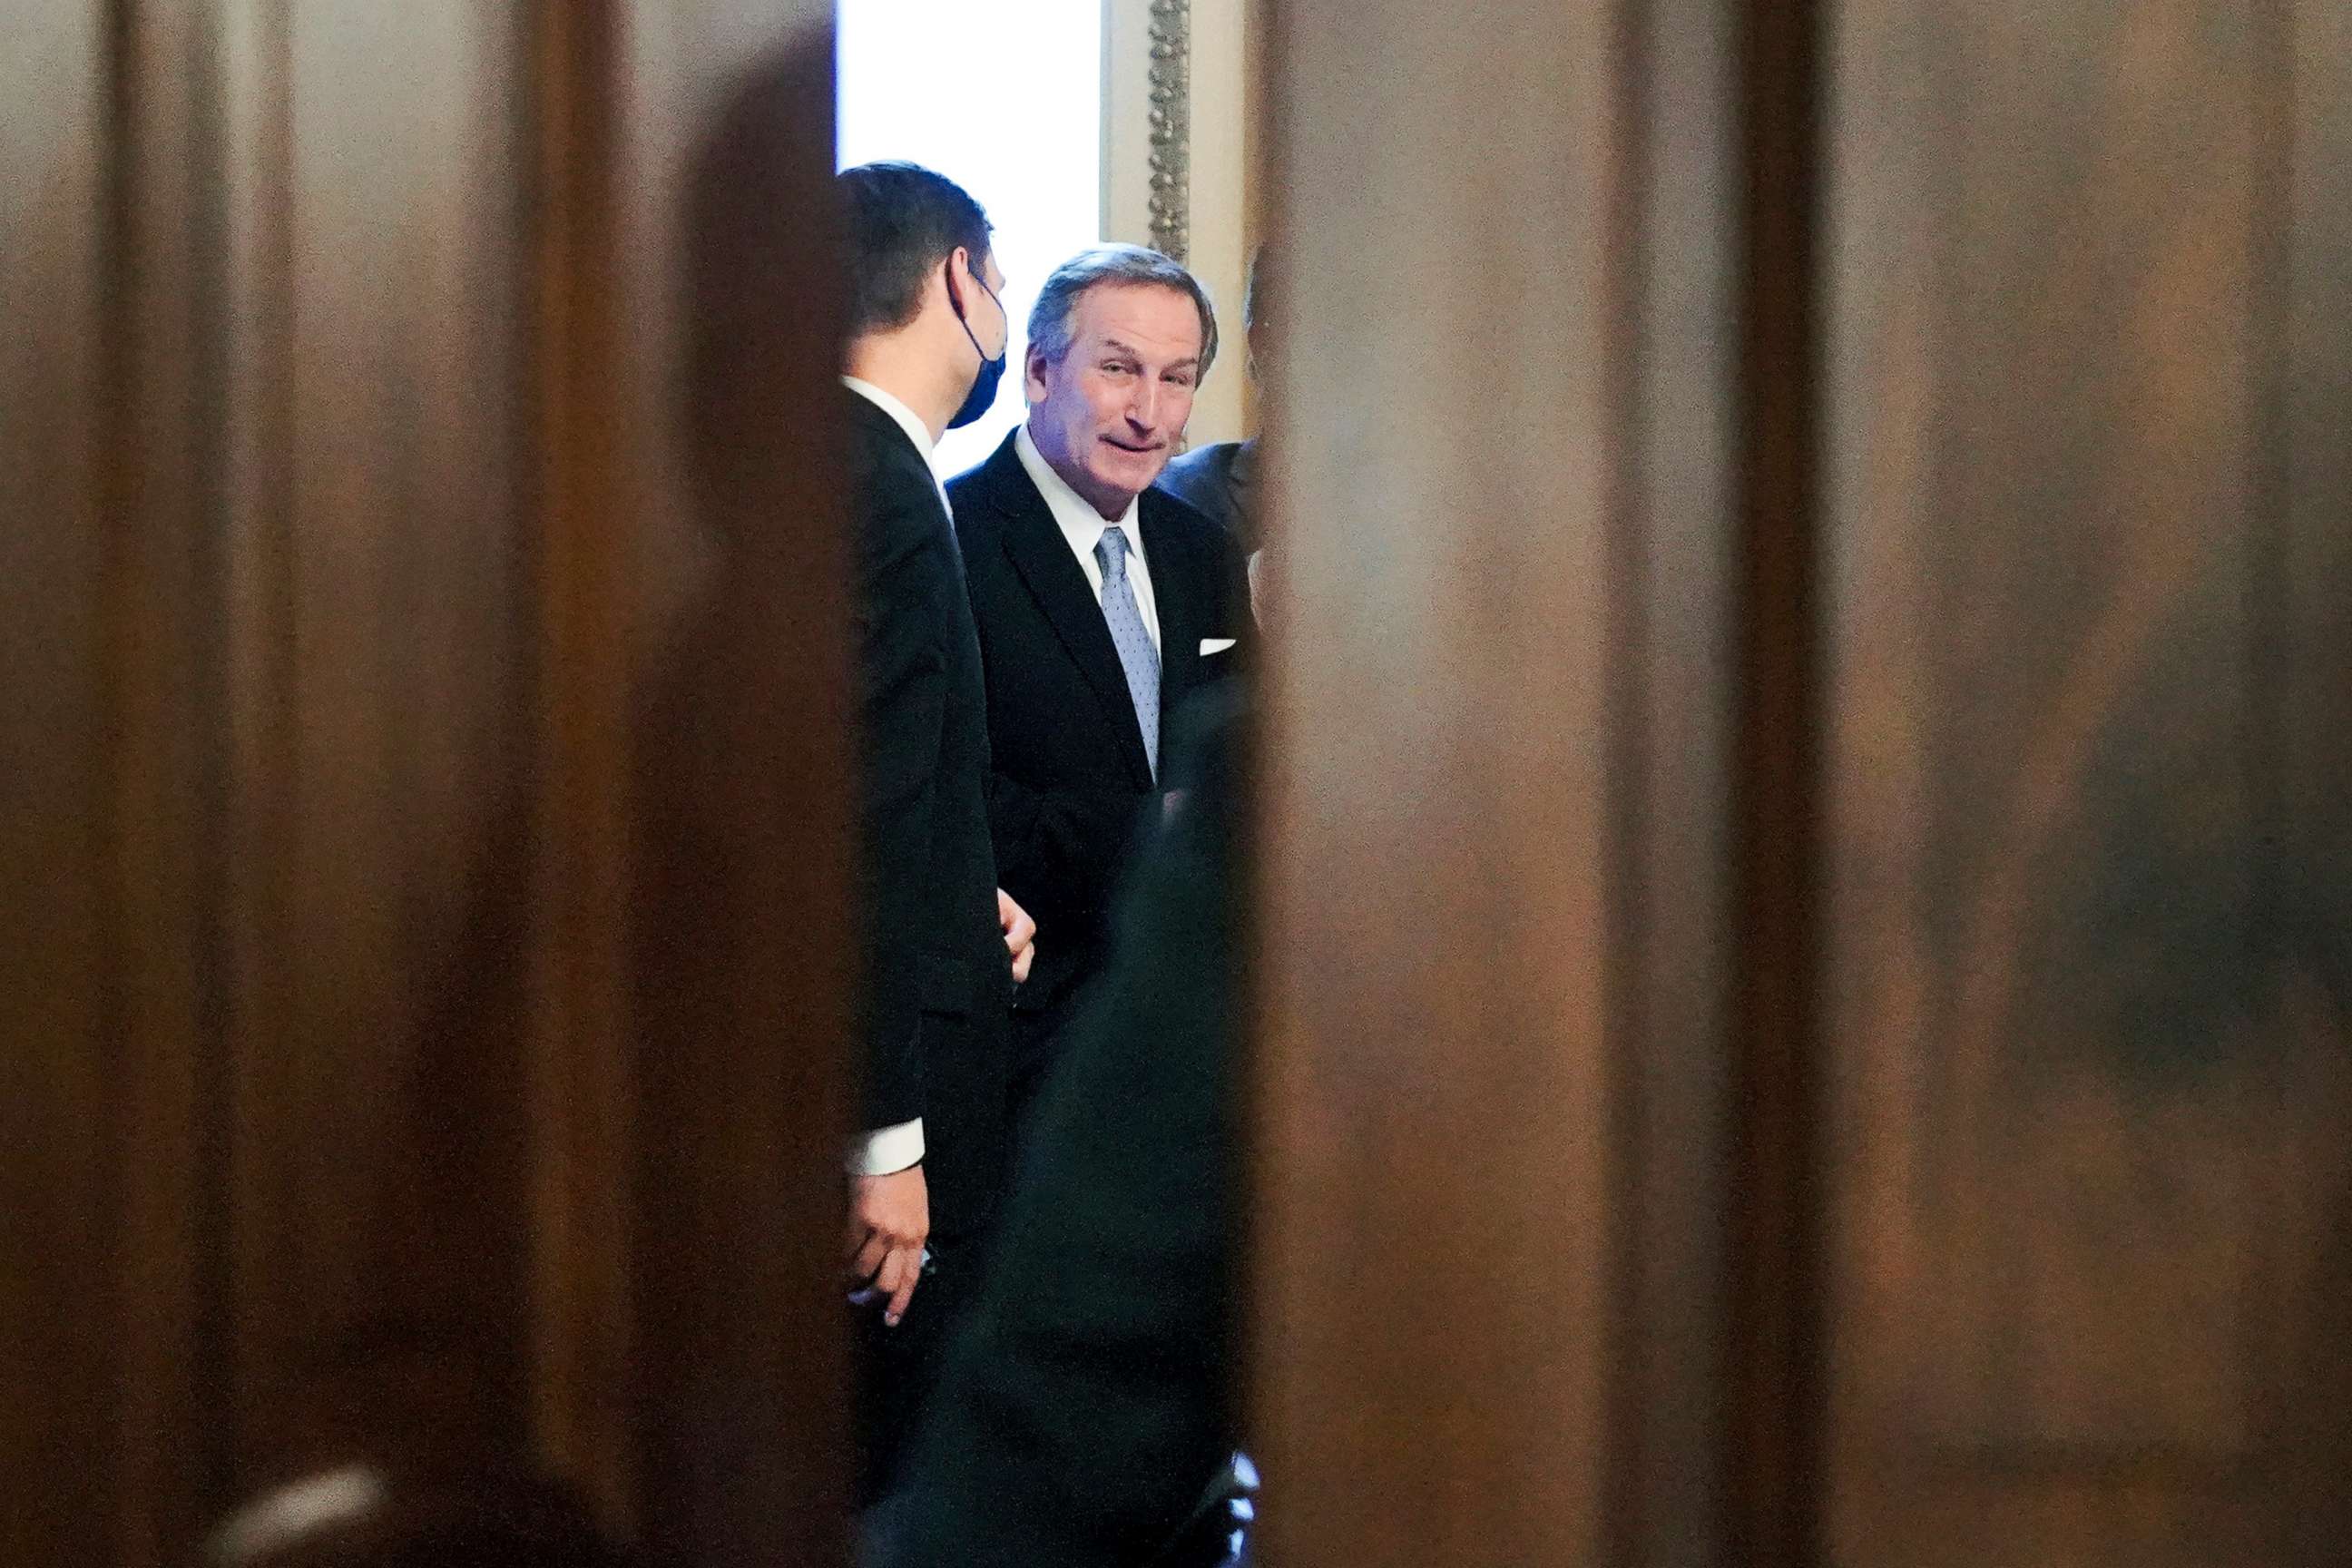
889	1220
1020	934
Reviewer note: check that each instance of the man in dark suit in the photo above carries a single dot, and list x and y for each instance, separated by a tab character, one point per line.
926	342
1088	1403
1101	604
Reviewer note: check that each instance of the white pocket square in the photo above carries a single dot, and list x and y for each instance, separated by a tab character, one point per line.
1215	645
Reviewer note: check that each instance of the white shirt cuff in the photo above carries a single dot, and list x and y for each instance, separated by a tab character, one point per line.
886	1149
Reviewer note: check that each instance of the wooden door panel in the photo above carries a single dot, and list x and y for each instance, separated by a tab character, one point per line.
2084	1099
351	539
110	823
57	1151
426	775
1445	1332
740	778
382	697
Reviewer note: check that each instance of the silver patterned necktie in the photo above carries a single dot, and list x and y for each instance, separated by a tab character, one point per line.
1137	657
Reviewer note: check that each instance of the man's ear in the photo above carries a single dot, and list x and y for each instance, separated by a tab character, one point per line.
1033	366
958	293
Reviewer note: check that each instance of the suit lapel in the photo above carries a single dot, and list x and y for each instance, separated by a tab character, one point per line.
1035	544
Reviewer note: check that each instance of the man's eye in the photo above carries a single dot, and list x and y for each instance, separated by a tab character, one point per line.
1119	367
1180	379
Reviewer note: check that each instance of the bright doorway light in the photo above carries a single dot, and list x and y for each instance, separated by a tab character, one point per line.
1005	99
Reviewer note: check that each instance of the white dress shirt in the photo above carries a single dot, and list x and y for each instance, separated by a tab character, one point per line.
885	1150
1084	527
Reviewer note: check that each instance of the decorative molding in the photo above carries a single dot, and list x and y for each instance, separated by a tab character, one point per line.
1171	127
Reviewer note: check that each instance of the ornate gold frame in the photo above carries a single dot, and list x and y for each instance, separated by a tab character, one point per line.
1171	92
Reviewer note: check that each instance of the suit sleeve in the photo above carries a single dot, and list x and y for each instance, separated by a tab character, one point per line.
902	693
1058	850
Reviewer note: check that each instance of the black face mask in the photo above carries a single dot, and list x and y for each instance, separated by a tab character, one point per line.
992	370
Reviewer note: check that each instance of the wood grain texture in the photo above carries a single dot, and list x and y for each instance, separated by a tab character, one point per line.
383	787
113	824
2304	687
1674	959
742	783
348	547
2087	1084
1494	1111
580	1109
1771	1455
1433	1182
166	780
57	1338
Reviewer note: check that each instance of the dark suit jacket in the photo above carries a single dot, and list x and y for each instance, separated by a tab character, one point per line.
1069	780
1220	482
1088	1400
934	1004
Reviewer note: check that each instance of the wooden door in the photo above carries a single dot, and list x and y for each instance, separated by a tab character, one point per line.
1802	1009
1489	1241
425	802
2085	1021
1804	1013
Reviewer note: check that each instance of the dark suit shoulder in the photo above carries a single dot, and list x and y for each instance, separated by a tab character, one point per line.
1210	465
1221	480
1171	519
1180	515
876	446
894	501
984	493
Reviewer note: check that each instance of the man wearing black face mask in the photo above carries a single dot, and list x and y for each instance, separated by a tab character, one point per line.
927	339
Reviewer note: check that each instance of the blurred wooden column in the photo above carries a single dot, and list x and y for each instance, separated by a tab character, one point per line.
1805	1001
427	793
108	828
2089	334
1489	1196
742	785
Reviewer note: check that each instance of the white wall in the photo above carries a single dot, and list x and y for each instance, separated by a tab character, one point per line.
1003	100
1041	108
1220	182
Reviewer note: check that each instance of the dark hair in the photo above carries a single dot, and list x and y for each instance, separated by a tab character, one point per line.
901	221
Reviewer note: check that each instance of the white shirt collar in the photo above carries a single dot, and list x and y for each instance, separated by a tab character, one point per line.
1083	528
907	419
1081	524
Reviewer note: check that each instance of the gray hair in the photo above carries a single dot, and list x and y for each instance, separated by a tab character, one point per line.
1050	327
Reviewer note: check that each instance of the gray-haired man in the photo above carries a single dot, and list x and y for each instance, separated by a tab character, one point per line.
1101	602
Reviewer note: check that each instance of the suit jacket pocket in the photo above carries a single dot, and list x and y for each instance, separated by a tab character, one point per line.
1213	668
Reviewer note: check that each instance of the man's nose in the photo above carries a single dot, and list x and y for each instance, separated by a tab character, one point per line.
1143	408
